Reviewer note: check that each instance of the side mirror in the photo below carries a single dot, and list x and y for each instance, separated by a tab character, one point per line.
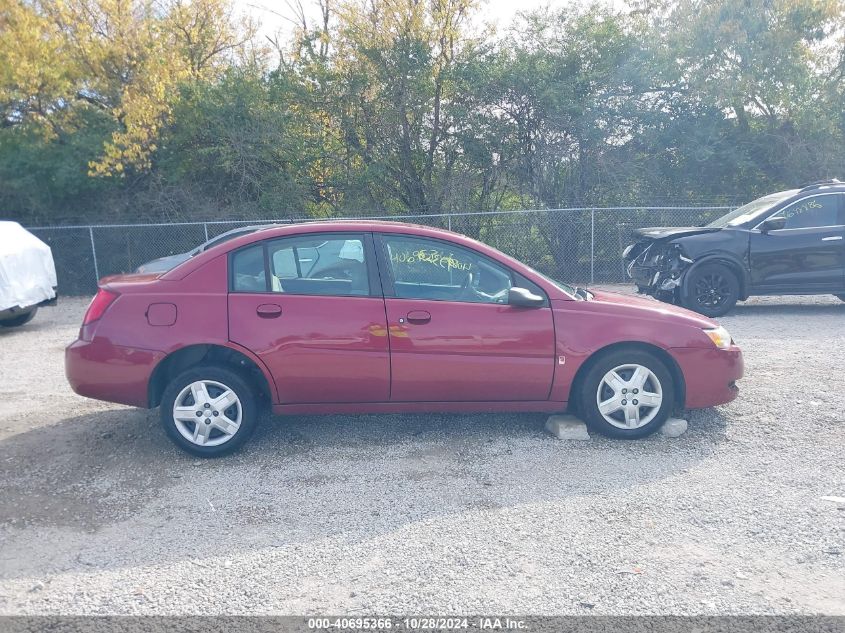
525	298
773	224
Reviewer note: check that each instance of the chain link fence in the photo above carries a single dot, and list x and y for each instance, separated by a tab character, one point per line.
577	245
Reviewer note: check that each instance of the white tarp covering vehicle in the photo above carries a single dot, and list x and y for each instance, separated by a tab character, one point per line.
27	275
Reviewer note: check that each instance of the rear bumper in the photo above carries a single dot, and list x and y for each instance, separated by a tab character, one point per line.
710	374
97	369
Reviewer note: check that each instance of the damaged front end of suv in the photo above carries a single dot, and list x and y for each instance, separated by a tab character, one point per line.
657	261
656	267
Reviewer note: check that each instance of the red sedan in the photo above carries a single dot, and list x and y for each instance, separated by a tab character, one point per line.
365	317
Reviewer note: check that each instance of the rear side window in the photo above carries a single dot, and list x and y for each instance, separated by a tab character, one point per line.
319	265
812	211
248	270
327	265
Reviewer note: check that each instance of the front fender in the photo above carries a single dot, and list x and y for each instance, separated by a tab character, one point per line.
729	246
736	264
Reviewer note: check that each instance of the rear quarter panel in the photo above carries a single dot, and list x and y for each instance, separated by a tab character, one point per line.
201	311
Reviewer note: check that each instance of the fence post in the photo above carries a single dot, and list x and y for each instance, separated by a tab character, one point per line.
592	246
205	228
449	220
94	253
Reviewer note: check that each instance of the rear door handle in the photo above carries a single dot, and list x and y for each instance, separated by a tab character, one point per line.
269	310
831	238
419	316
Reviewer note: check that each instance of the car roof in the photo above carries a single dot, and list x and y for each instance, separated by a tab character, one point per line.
788	196
336	226
343	226
352	224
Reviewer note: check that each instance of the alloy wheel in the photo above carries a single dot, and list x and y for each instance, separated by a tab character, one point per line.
207	413
712	290
629	396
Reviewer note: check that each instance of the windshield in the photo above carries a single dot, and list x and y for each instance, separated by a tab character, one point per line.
751	210
570	290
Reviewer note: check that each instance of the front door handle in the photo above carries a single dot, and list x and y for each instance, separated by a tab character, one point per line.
831	238
269	310
419	316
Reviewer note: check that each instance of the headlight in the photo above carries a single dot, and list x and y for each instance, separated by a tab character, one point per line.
720	337
627	250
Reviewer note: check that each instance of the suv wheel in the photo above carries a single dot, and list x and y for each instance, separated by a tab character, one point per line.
710	289
209	411
627	394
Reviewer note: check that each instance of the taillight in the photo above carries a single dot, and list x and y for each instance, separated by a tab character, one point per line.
101	302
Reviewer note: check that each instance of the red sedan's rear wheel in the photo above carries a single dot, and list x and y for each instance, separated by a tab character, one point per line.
208	411
627	394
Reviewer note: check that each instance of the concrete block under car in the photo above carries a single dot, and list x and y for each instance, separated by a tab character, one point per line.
674	427
567	427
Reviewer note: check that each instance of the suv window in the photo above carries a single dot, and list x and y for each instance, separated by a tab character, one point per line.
812	211
430	269
308	265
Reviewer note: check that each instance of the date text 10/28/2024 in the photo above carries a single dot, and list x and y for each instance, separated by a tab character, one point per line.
416	623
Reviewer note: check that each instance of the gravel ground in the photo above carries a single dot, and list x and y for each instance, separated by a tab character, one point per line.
100	514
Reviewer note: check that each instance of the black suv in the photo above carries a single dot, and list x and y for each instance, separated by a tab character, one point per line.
791	242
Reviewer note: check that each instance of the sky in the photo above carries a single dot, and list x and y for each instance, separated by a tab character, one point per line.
271	14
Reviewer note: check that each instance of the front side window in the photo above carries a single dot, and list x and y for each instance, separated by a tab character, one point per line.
328	265
430	269
811	212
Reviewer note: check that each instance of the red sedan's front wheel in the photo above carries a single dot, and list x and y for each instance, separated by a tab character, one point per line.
627	394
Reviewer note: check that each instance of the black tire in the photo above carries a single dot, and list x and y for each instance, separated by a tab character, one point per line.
710	289
21	319
227	378
589	392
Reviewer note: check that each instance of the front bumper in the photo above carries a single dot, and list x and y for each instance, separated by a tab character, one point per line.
654	278
643	276
98	369
710	374
656	267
